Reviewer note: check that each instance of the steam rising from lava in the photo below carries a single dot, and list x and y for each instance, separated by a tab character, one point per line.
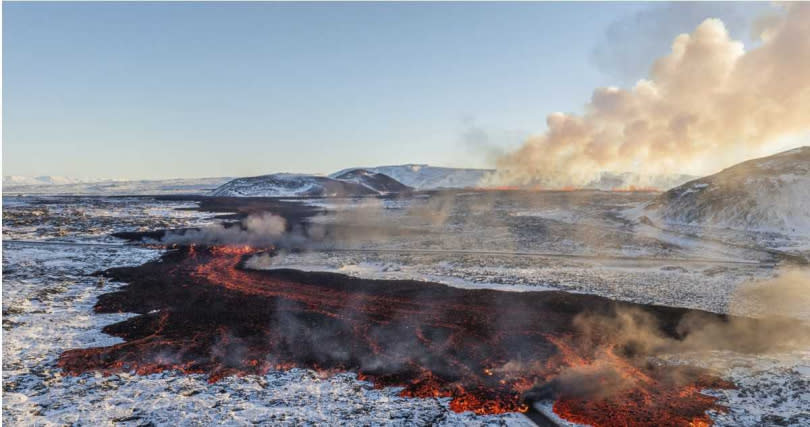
706	105
354	224
635	335
787	294
257	230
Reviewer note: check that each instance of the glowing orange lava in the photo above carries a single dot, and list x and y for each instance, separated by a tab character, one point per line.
200	312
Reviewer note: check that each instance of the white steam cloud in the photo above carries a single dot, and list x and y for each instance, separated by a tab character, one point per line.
705	106
256	230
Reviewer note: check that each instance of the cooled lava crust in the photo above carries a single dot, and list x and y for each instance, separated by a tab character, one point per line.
201	312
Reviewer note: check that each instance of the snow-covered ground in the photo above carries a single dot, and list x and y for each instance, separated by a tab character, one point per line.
701	285
772	389
69	218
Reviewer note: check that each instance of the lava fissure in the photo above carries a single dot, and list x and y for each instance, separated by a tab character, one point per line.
489	351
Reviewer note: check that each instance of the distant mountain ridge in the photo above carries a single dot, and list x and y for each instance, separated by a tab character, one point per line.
64	185
353	182
298	185
766	194
426	177
44	180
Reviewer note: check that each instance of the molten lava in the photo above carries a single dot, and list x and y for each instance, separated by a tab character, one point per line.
201	312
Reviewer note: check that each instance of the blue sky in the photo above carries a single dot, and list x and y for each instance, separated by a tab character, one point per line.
157	90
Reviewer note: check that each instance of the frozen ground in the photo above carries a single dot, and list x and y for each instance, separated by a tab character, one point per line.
701	285
574	243
771	389
92	219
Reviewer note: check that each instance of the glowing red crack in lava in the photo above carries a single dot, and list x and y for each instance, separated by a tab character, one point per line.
200	312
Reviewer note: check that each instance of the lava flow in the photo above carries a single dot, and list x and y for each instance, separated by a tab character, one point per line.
488	351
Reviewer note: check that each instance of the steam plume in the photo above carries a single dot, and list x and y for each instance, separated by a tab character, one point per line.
787	294
637	334
255	230
706	105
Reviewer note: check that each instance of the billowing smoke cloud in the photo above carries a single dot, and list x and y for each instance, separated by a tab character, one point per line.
633	41
706	105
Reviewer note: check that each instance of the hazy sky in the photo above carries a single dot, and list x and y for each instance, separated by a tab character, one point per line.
154	90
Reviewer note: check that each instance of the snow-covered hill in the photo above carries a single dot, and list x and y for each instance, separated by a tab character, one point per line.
424	177
766	194
292	185
355	182
376	181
